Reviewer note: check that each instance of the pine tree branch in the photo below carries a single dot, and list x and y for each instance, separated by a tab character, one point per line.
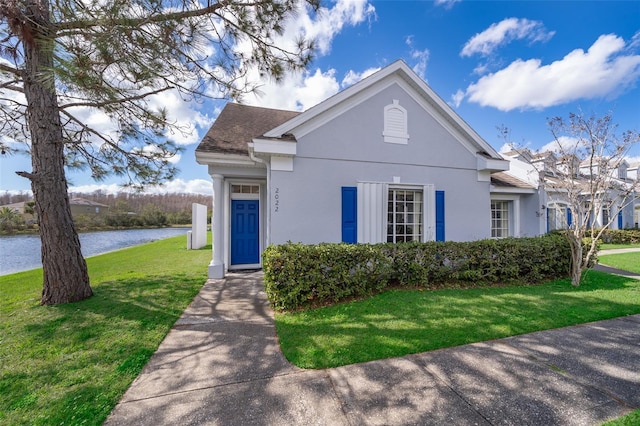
11	85
82	24
114	101
11	70
86	128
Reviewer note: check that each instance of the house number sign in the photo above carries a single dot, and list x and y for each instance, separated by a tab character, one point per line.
276	200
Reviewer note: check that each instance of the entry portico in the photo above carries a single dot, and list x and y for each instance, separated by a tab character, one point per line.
239	218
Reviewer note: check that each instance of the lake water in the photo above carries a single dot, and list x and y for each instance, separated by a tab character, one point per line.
22	252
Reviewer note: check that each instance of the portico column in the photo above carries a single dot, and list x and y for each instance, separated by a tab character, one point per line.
216	267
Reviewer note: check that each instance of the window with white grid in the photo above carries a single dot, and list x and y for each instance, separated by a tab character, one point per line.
499	219
404	215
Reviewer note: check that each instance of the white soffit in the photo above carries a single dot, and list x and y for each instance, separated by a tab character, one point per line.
268	146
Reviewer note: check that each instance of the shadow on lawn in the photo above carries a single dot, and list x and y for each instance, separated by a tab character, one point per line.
401	322
80	357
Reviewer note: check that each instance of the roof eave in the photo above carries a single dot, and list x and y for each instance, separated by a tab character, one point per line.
208	158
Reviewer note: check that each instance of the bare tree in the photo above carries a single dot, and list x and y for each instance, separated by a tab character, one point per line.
586	175
59	57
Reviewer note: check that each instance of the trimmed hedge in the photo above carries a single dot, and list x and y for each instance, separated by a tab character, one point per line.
621	236
300	275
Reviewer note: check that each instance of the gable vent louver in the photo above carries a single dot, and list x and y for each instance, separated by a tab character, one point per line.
395	124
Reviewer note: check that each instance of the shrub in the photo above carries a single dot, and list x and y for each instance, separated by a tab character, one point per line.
621	236
10	221
85	222
299	275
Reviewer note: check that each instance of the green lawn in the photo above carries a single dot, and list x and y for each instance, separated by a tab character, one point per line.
631	419
624	261
401	322
618	246
70	364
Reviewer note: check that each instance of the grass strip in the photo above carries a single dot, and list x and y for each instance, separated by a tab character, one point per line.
625	261
631	419
609	246
401	322
70	364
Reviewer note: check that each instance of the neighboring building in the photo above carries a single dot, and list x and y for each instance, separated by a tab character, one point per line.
82	206
384	160
16	207
79	206
554	173
21	208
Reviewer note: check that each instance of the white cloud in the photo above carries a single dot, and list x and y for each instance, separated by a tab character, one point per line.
353	77
506	147
420	56
179	186
457	98
601	72
448	4
184	115
328	22
195	186
299	91
302	90
564	144
504	32
481	69
188	119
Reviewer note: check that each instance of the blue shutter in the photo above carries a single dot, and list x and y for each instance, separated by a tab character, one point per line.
548	224
569	217
620	219
439	215
349	214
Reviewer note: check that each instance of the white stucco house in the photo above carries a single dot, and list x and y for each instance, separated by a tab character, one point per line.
385	160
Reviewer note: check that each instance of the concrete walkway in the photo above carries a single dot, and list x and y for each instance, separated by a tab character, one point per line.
618	251
221	365
610	269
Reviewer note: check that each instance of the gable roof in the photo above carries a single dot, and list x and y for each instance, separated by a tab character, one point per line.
422	92
237	125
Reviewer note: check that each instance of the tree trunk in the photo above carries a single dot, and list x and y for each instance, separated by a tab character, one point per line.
575	242
66	278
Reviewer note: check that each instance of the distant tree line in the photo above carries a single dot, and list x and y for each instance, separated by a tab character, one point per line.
125	210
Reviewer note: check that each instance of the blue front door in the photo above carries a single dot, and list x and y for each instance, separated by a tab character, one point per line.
620	219
439	215
245	235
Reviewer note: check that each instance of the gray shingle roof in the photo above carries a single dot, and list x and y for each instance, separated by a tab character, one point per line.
238	124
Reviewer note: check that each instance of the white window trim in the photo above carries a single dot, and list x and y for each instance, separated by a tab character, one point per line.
514	212
423	214
260	196
245	196
561	208
373	211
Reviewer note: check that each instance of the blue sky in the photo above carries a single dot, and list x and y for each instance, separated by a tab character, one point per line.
501	63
